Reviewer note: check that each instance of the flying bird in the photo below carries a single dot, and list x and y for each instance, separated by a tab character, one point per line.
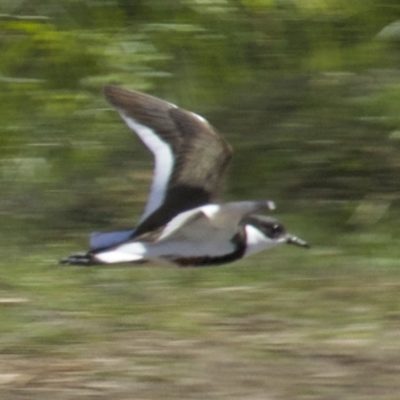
181	223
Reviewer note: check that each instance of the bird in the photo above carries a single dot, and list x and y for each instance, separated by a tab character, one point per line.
182	224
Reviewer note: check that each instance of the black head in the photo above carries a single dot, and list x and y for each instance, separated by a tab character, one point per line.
273	229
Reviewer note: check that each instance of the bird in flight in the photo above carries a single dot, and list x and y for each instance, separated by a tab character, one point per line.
181	223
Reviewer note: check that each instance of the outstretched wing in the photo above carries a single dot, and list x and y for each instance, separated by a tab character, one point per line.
190	156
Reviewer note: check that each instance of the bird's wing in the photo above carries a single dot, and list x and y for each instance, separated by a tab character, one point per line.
190	156
211	221
100	240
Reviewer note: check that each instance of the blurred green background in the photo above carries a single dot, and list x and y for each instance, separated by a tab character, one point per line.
308	94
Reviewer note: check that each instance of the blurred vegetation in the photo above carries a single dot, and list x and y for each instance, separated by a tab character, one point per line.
307	92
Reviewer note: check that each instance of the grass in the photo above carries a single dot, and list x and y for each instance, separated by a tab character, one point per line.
286	324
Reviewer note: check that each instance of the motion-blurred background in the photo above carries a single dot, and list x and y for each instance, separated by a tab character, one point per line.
308	94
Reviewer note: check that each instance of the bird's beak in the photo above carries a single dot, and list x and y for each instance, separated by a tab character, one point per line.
291	239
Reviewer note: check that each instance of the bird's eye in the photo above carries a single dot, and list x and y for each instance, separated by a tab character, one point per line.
277	230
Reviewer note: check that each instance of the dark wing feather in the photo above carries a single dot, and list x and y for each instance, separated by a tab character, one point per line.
200	155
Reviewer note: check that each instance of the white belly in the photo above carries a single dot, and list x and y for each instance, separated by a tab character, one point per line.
136	251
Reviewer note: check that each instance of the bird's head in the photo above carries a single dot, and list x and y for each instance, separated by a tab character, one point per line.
270	231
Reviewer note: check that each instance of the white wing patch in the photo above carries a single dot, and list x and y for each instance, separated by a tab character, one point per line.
163	163
179	221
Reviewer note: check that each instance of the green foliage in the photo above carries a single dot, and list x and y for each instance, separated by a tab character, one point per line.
306	91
